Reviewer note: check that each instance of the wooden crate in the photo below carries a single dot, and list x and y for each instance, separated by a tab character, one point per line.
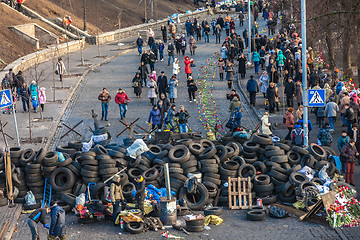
239	193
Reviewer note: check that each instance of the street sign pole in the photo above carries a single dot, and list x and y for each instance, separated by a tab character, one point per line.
249	32
304	72
16	126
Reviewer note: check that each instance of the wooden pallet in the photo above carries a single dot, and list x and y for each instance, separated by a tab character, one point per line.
239	193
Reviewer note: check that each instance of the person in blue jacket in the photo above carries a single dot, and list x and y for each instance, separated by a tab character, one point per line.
252	87
57	225
139	43
155	117
188	27
256	59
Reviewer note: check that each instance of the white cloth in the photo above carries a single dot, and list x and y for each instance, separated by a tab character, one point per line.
265	125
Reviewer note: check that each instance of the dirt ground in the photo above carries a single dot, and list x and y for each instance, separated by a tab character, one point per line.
103	15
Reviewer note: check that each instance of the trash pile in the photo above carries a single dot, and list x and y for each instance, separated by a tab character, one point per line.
199	171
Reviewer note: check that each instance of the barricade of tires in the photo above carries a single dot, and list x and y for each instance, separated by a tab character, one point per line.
272	168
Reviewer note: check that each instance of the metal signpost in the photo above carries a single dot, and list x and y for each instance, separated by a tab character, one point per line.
316	97
249	32
6	101
304	72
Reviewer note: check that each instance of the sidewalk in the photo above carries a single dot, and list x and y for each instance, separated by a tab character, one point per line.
57	100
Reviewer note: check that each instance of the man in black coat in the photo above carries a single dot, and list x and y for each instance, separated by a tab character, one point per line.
162	83
57	226
140	192
145	58
290	92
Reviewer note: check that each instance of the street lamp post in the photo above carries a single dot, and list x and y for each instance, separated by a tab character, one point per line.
249	32
84	15
304	71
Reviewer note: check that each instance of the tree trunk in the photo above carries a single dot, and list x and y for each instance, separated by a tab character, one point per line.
331	51
346	50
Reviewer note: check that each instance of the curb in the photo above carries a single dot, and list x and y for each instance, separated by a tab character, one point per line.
92	67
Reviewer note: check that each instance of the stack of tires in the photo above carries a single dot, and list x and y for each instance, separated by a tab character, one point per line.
89	167
256	213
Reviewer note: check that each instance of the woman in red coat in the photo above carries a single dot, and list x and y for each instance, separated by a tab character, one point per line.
187	66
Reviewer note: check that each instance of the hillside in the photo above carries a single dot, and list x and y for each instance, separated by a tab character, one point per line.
103	15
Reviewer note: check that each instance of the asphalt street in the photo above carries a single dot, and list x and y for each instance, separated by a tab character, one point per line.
118	73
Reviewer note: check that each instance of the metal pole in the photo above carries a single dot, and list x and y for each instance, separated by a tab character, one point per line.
304	71
84	15
16	126
167	181
249	32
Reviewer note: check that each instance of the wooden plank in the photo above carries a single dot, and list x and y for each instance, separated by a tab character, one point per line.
313	209
239	193
328	199
4	230
290	210
14	219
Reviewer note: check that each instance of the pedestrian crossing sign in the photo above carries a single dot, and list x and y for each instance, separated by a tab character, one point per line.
5	98
316	97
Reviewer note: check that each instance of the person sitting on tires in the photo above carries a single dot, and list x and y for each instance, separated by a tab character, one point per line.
57	225
140	192
116	195
36	217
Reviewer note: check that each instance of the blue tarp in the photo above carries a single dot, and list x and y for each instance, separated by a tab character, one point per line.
153	193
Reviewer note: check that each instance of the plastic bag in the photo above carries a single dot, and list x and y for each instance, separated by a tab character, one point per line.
323	174
278	212
61	157
30	198
137	148
80	201
212	219
308	172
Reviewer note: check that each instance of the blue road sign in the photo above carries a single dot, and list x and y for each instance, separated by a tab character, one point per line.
5	98
316	97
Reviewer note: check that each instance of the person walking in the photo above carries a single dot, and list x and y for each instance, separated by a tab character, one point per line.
331	110
162	83
169	119
163	105
271	95
152	61
161	48
299	112
252	87
152	94
221	66
290	92
57	225
139	43
325	135
191	88
218	34
137	85
155	117
350	118
33	88
183	115
183	44
242	65
116	196
297	135
256	60
229	69
176	67
299	93
122	99
234	103
192	45
349	155
171	53
343	101
60	68
280	60
343	140
25	97
42	98
264	83
173	83
289	121
164	32
206	33
39	215
143	73
188	63
105	98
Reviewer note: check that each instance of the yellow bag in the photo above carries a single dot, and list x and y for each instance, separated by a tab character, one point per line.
212	219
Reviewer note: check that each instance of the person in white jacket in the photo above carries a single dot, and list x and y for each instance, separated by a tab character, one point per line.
265	125
176	67
60	68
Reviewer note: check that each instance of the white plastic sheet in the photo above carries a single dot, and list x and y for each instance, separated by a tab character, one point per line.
137	148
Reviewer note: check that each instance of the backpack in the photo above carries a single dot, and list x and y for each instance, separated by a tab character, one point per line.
298	138
136	84
183	43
